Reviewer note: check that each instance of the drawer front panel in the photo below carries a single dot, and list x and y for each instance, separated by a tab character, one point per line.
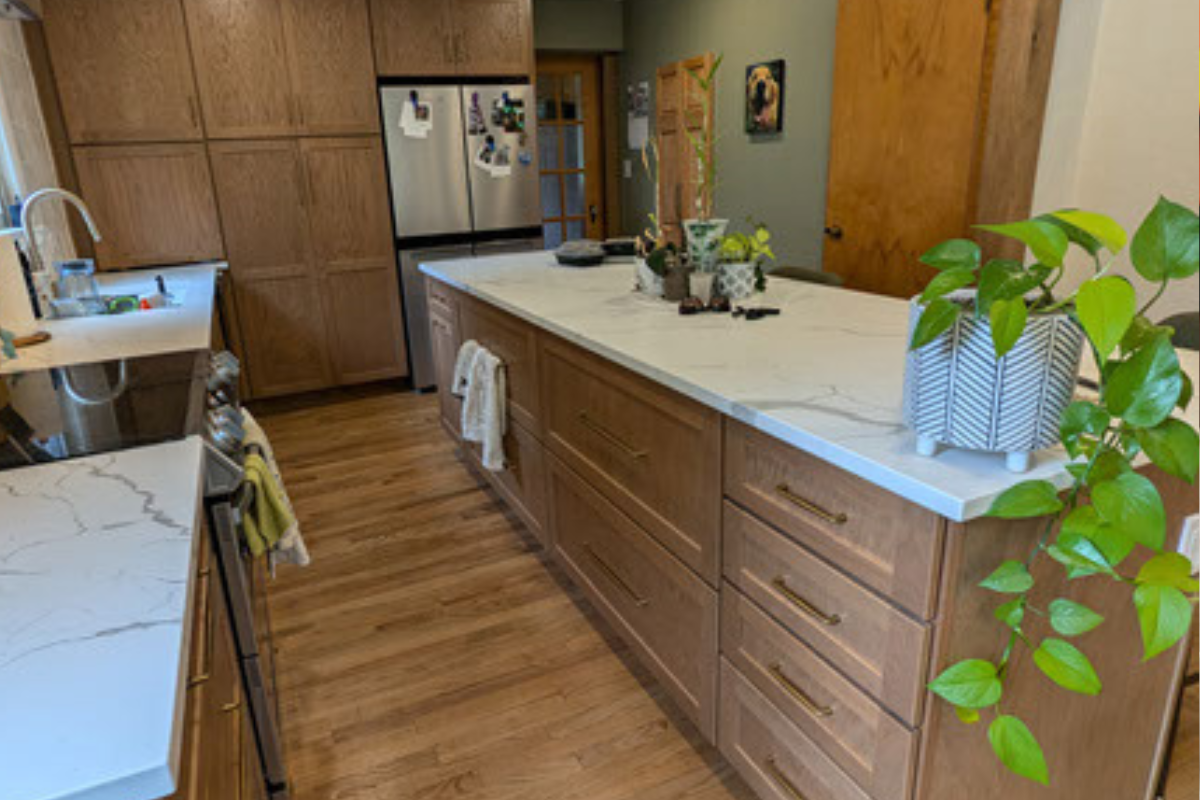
667	614
852	729
775	757
886	542
514	342
868	639
652	452
522	484
442	299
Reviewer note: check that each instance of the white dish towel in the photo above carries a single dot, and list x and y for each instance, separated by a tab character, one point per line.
462	367
485	411
290	548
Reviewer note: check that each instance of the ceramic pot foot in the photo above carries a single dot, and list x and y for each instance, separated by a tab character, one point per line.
926	446
1018	462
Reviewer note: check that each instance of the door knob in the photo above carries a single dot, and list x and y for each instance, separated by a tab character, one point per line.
833	232
592	213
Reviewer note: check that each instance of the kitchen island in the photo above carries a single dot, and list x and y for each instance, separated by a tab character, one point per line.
101	577
742	503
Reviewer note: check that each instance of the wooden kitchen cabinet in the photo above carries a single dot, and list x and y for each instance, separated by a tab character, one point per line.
284	335
122	70
456	37
332	72
242	67
153	203
365	323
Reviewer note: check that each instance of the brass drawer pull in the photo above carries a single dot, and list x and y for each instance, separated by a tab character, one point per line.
805	606
798	694
784	491
612	575
610	437
229	708
196	680
777	775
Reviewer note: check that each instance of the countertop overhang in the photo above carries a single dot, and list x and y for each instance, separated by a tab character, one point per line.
825	376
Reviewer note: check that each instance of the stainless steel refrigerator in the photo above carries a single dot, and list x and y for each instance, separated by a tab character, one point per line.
462	162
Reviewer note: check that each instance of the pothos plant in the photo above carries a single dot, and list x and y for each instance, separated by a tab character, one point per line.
1108	511
703	142
753	248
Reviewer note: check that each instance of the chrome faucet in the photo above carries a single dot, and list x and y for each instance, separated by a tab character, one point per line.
27	230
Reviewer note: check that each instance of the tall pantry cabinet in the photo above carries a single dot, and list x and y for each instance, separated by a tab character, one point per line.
257	120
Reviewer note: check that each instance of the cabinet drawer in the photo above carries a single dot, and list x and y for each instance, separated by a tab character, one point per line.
883	540
522	484
852	729
514	342
775	757
651	451
665	613
876	645
442	300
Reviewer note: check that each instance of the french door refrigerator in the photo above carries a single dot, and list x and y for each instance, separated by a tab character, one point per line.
462	164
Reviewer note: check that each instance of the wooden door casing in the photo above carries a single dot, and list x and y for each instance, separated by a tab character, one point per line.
139	48
493	37
242	68
153	203
413	37
329	53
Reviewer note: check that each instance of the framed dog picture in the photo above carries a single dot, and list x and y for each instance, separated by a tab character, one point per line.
764	97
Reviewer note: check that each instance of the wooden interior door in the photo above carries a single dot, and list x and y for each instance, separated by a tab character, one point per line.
493	37
679	110
333	72
906	117
413	37
122	70
570	148
242	68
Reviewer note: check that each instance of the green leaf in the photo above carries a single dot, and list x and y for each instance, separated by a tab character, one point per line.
1008	323
1174	446
1063	663
1074	235
937	318
1006	280
1011	613
1106	307
1167	245
953	254
1132	505
1113	544
1011	577
967	715
1072	619
1141	332
1027	499
1046	240
969	684
1017	749
1144	389
1169	569
1097	226
946	282
1079	419
1185	394
1164	614
1080	554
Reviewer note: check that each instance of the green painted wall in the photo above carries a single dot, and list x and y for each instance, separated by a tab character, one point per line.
590	25
778	180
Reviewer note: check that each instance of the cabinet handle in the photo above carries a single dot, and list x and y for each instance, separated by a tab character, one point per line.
230	708
206	673
610	437
803	605
798	694
804	504
612	575
777	775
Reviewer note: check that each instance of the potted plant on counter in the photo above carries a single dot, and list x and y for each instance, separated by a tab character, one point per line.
704	232
1014	324
742	256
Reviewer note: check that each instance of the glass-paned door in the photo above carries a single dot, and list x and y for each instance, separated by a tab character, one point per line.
570	152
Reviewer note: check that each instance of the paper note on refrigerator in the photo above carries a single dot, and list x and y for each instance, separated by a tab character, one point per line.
416	120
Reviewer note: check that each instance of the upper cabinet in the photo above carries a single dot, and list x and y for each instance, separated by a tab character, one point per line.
123	70
333	78
455	37
242	68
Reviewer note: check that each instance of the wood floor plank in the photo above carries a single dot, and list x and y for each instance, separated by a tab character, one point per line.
431	651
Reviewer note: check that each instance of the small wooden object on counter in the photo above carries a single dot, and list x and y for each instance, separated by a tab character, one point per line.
33	339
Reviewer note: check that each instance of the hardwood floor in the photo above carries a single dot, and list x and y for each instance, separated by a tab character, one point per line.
431	652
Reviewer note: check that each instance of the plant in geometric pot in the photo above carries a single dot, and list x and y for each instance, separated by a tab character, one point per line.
740	272
1109	511
703	232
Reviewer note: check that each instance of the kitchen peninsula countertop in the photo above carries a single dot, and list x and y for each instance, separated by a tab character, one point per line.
81	340
825	376
96	567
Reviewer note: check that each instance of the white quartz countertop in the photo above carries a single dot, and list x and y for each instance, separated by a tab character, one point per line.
80	340
825	376
96	560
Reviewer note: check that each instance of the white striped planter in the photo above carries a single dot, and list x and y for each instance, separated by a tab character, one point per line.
957	393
